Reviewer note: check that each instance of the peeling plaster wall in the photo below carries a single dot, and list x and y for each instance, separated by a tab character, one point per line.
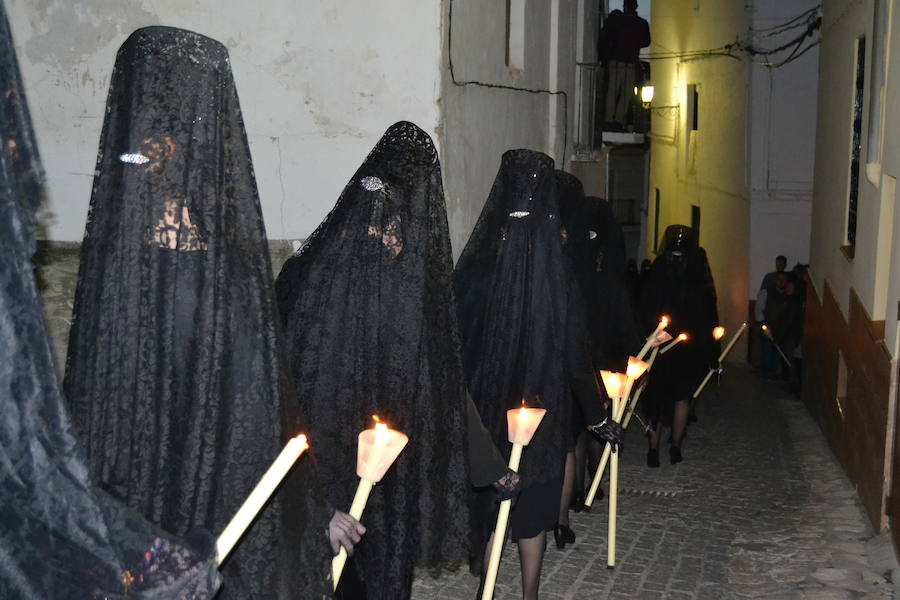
319	82
478	124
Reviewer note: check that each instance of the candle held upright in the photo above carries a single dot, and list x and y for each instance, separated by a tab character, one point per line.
521	424
376	451
654	338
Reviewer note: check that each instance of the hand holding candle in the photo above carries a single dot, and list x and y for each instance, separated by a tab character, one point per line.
259	496
376	451
614	383
718	332
521	424
617	386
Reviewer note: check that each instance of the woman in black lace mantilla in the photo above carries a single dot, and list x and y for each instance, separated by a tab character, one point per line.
175	374
368	307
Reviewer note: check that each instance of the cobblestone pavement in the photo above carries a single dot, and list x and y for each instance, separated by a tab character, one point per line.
759	509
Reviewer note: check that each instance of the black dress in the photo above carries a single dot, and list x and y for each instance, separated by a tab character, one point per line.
176	377
680	285
60	537
518	303
368	304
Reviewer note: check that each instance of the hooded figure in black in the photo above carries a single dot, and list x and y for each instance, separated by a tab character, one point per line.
175	374
522	326
60	537
368	305
680	285
596	246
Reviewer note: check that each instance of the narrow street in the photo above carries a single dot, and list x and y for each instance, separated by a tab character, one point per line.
758	509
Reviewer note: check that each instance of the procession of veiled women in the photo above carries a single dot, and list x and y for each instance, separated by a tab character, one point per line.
189	367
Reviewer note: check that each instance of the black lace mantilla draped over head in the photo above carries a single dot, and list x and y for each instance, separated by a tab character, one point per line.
60	537
371	330
512	284
596	245
175	373
679	285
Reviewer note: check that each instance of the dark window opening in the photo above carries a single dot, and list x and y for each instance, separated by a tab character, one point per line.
656	221
853	201
693	98
695	219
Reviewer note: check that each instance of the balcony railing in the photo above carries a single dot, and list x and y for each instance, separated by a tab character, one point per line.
590	108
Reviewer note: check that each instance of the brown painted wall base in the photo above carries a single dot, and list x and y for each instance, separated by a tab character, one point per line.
846	386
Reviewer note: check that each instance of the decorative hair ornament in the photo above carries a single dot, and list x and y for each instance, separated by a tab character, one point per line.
373	184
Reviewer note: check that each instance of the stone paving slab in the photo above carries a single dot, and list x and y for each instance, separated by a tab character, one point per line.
759	509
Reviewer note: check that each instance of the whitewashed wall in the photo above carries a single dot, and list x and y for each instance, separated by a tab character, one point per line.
712	170
319	82
478	124
843	22
782	138
873	271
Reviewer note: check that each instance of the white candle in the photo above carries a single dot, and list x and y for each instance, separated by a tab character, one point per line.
613	504
652	338
377	449
521	425
615	386
681	338
259	496
722	356
733	341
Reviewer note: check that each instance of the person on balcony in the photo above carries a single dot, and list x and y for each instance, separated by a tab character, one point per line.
621	40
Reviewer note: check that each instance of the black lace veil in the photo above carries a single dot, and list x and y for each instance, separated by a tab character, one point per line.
596	246
368	304
512	285
60	537
175	373
680	285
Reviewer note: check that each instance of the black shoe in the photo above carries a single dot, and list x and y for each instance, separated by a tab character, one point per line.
674	454
577	503
653	458
563	535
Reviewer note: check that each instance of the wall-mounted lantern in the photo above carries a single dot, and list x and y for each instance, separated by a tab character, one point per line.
646	94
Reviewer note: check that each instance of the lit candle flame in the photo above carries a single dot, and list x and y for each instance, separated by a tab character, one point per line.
764	328
718	332
381	431
683	337
664	321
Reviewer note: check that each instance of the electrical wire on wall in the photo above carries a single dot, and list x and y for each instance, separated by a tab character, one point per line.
500	86
809	20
